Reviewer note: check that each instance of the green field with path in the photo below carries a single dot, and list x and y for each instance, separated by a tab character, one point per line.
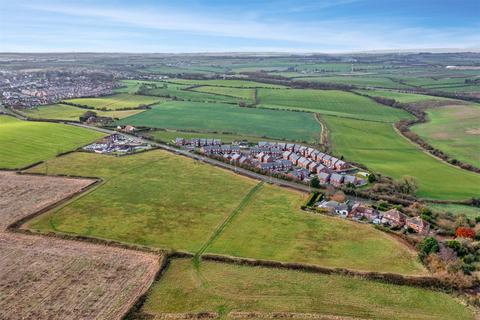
273	227
330	102
153	198
224	288
222	118
455	130
116	102
26	142
382	149
226	83
246	94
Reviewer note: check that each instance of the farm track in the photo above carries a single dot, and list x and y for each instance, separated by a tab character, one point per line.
229	218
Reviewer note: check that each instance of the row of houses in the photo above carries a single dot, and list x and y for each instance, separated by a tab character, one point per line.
393	217
296	161
198	142
300	153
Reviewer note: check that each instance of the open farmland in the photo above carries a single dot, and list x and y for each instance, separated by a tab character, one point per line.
116	102
25	142
401	96
331	102
360	81
455	130
381	149
225	288
246	94
49	278
179	91
71	113
204	117
226	83
153	198
42	191
273	227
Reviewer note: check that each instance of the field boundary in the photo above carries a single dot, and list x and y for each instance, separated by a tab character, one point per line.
217	232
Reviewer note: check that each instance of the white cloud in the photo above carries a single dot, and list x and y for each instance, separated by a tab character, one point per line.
327	36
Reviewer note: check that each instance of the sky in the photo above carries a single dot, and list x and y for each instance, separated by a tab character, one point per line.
327	26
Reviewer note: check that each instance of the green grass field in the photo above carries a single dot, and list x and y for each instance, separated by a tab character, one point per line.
455	130
116	102
153	198
26	142
225	288
246	94
132	86
331	102
360	81
169	136
383	150
456	209
214	117
226	83
71	113
178	91
273	227
400	96
166	201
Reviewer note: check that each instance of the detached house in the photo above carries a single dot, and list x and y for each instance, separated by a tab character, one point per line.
324	177
394	218
336	179
360	211
341	165
321	168
179	141
417	224
327	160
335	207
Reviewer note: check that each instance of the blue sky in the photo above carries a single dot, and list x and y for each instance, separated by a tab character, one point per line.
244	25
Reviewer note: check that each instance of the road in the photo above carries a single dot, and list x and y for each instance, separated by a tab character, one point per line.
242	171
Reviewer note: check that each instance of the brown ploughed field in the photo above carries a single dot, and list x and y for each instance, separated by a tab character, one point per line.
50	278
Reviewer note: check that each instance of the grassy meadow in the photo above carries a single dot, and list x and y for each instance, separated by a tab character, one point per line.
456	209
381	149
273	227
357	80
178	91
401	96
226	83
116	102
225	288
246	94
154	198
455	130
222	118
71	113
26	142
330	102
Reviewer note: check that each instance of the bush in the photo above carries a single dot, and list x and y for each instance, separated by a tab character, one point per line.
465	232
428	245
372	178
